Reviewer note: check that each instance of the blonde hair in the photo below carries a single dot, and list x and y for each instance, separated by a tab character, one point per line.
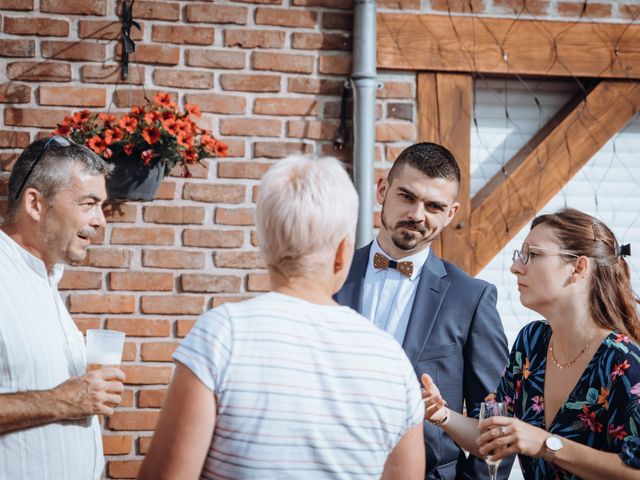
305	208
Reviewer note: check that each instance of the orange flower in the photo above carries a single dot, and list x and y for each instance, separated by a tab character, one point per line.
63	129
221	149
97	144
151	135
107	118
150	117
167	114
112	135
137	111
208	142
82	116
163	99
171	126
128	123
128	149
189	155
147	156
184	139
193	110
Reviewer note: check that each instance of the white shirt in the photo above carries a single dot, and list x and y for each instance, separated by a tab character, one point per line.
388	295
41	347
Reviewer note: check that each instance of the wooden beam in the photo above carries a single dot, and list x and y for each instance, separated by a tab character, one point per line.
444	117
508	46
545	164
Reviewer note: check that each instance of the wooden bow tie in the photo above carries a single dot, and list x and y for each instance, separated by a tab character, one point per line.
382	262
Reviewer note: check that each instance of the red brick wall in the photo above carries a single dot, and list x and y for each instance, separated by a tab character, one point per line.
267	76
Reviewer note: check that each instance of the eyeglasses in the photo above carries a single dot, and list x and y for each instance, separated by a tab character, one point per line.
60	141
525	254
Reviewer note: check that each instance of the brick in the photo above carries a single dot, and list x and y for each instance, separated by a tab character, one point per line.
282	62
110	74
124	468
128	355
85	323
156	10
154	54
211	193
254	38
16	4
196	170
152	398
7	160
335	65
315	129
315	85
142	236
215	58
588	10
258	282
251	170
39	71
34	117
203	13
531	7
80	280
173	259
396	90
250	127
125	98
199	283
144	442
13	139
401	111
393	151
400	4
250	83
137	281
183	327
285	106
116	444
173	215
199	79
72	96
217	238
458	6
105	30
17	48
12	92
263	2
74	7
167	190
215	103
321	41
235	147
108	258
140	327
105	303
337	21
182	35
234	216
139	420
280	149
393	132
345	4
285	17
44	27
74	50
173	304
144	375
158	351
629	11
120	212
220	300
238	260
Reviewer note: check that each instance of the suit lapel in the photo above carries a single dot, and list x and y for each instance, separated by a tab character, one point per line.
351	292
432	288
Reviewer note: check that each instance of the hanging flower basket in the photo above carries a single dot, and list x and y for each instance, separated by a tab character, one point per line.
145	144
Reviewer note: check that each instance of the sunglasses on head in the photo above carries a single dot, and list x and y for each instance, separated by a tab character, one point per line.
60	141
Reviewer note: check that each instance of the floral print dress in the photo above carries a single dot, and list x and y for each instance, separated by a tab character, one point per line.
602	411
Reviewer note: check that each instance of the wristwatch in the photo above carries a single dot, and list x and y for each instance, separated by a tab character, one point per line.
552	445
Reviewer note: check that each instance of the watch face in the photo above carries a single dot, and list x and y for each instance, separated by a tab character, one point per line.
553	443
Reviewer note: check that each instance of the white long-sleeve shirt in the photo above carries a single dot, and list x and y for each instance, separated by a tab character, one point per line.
41	347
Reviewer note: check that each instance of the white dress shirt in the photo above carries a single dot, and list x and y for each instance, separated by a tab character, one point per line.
388	295
41	347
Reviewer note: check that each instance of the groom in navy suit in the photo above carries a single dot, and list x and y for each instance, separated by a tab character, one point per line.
445	320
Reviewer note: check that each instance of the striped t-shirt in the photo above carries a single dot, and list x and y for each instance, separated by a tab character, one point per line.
303	390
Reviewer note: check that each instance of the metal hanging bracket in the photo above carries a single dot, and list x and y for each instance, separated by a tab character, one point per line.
128	45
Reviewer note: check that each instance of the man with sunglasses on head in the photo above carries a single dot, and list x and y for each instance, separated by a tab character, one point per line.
49	427
445	320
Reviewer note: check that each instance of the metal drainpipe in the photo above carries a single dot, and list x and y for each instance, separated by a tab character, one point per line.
365	82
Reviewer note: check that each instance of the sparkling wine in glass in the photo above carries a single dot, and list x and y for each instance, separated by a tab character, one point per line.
488	410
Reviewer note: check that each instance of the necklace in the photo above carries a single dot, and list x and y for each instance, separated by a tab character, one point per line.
557	363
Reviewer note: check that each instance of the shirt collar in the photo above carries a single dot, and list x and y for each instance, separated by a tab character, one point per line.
13	250
418	258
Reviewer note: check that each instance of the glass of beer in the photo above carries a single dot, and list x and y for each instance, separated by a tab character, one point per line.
104	348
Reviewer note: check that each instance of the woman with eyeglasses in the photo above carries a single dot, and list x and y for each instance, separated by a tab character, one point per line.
572	384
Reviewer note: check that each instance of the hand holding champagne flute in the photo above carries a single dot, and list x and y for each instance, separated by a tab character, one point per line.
488	410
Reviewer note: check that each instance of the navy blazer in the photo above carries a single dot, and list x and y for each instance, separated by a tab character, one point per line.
455	335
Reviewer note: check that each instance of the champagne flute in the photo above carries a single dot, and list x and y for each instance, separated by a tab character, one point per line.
488	410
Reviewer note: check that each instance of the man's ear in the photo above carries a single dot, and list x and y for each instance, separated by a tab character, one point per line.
452	212
33	204
343	255
381	189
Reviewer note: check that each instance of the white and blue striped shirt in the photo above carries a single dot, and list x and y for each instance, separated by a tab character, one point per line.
303	390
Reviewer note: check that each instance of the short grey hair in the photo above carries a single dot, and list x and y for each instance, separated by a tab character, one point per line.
305	208
51	172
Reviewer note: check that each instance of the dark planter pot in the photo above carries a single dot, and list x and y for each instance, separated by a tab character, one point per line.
131	180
